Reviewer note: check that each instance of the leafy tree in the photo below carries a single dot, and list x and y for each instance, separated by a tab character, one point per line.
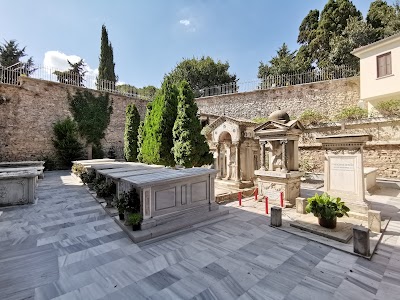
308	28
379	16
202	73
190	146
73	76
393	26
10	58
333	21
66	142
356	34
106	62
92	115
132	122
157	129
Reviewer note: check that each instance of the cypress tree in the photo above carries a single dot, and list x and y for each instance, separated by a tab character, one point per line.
142	132
132	121
157	129
190	146
106	62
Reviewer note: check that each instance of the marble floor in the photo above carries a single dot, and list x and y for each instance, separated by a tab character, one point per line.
67	247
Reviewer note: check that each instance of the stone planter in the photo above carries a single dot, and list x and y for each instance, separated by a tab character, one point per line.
327	223
109	201
136	227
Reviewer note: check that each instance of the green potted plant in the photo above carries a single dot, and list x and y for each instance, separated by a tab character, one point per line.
132	203
135	219
88	178
327	209
120	205
107	191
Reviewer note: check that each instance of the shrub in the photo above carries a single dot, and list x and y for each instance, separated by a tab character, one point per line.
97	150
307	165
311	117
78	169
105	189
260	120
389	108
132	122
50	162
88	177
131	200
134	219
326	207
68	147
352	113
120	203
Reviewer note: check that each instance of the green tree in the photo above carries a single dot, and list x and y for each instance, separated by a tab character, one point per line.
106	78
380	16
74	76
393	26
92	114
142	132
148	91
10	59
132	122
333	21
202	73
190	146
66	142
157	129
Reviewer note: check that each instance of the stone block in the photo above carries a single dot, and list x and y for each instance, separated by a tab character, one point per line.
374	221
301	204
276	216
361	240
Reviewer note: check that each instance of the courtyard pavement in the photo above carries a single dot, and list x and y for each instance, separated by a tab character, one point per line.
67	247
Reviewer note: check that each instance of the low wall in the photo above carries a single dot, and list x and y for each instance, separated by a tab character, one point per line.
383	152
327	97
28	112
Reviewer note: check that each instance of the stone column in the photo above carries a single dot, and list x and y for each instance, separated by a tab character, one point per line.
262	158
237	160
217	160
284	162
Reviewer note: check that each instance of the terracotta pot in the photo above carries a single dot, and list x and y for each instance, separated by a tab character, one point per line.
136	227
121	217
327	223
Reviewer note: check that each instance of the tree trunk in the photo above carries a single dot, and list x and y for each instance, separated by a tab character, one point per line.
89	149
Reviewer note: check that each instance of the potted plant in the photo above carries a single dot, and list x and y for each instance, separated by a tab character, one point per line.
327	209
132	203
135	219
107	191
88	178
120	205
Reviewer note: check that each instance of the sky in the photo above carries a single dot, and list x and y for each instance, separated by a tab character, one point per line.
150	37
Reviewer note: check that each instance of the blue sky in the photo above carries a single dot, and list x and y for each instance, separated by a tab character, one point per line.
150	36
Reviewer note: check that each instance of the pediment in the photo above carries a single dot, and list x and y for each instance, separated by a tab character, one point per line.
271	126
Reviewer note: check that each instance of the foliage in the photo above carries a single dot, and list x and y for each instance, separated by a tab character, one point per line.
308	28
190	146
106	61
326	207
130	90
131	200
306	165
105	189
120	203
132	122
384	18
88	177
389	108
68	147
201	73
352	113
50	162
141	131
260	120
10	56
74	76
135	218
156	133
97	150
78	169
111	152
92	114
311	117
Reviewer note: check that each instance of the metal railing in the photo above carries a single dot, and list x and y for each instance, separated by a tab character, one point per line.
274	81
11	76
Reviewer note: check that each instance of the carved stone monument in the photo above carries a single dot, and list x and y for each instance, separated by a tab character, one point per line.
344	170
279	158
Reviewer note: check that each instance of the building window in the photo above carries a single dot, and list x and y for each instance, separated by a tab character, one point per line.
384	64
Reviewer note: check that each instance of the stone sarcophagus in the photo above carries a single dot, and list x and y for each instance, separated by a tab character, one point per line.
18	187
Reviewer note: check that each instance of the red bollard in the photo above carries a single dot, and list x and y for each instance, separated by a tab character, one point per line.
256	194
240	198
281	198
266	205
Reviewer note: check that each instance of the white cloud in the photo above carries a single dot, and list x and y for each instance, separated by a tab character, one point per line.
185	22
57	60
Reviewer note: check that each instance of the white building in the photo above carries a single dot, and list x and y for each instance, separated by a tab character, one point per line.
380	71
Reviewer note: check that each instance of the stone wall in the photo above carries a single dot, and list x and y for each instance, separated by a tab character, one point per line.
327	97
383	152
28	112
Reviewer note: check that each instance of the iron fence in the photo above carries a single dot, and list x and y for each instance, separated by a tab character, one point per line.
11	76
274	81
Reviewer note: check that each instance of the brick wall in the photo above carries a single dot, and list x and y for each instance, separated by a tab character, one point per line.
327	97
28	112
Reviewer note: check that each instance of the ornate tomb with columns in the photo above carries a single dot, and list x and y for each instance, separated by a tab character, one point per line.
344	170
279	168
236	152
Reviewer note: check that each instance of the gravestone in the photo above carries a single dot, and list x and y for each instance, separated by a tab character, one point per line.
344	170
